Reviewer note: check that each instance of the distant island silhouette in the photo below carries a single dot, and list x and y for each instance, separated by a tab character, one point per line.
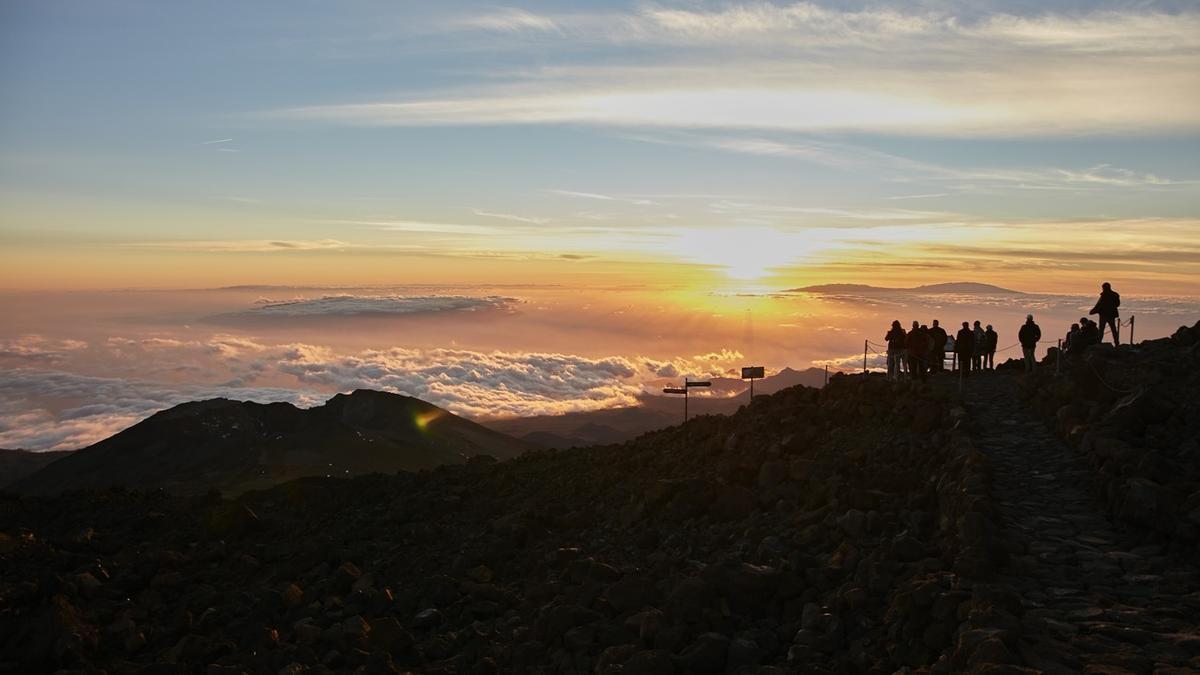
961	287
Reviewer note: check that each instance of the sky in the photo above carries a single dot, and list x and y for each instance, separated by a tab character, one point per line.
454	166
202	144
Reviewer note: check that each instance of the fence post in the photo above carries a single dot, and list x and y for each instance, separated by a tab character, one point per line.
864	357
826	373
1058	359
1131	318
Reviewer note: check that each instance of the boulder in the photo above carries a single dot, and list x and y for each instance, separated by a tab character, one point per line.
732	504
706	655
633	591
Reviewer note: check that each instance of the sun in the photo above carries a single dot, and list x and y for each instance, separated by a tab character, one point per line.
742	253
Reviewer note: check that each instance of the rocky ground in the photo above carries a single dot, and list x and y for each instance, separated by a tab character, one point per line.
1133	416
868	527
814	530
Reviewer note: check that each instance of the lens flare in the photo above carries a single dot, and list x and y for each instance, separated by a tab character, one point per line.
424	419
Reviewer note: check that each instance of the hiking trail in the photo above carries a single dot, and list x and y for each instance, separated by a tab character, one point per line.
1093	601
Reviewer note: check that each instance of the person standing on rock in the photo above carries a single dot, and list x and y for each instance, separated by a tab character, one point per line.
937	355
990	339
1106	309
897	344
1028	336
980	342
964	348
918	351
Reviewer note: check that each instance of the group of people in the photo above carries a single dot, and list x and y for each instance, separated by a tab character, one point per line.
1087	332
922	349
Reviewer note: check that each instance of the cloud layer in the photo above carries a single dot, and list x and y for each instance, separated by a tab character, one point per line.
57	410
43	409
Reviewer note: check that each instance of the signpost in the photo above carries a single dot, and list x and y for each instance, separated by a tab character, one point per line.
753	373
684	390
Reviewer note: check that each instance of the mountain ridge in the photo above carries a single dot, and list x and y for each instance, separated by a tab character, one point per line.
236	445
960	287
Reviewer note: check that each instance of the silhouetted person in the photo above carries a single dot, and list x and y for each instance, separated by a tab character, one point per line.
990	338
937	354
1089	334
1028	336
1069	344
1106	309
964	348
977	357
918	351
897	342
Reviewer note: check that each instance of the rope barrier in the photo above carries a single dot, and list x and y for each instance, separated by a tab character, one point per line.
1107	385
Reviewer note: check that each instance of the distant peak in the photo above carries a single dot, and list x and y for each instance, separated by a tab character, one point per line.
961	287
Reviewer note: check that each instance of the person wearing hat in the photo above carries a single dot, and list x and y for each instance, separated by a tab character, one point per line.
1028	336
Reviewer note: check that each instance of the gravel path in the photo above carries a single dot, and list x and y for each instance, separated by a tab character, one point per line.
1092	602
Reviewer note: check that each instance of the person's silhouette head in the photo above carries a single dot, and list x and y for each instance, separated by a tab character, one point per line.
916	325
1029	318
989	326
1074	326
977	324
966	326
1106	286
896	323
935	323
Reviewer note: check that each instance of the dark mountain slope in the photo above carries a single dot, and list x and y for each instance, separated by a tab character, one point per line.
617	425
812	531
236	445
16	464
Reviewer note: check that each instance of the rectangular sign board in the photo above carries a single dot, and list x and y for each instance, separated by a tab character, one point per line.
698	384
674	390
753	373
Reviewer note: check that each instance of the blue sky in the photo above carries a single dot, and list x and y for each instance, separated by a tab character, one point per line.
614	130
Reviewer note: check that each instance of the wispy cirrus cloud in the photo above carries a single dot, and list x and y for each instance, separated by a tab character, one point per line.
803	67
505	20
242	245
850	156
531	220
636	201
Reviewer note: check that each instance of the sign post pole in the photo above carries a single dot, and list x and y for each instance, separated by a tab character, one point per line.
684	390
753	373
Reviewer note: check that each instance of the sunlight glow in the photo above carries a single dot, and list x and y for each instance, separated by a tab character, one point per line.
743	253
